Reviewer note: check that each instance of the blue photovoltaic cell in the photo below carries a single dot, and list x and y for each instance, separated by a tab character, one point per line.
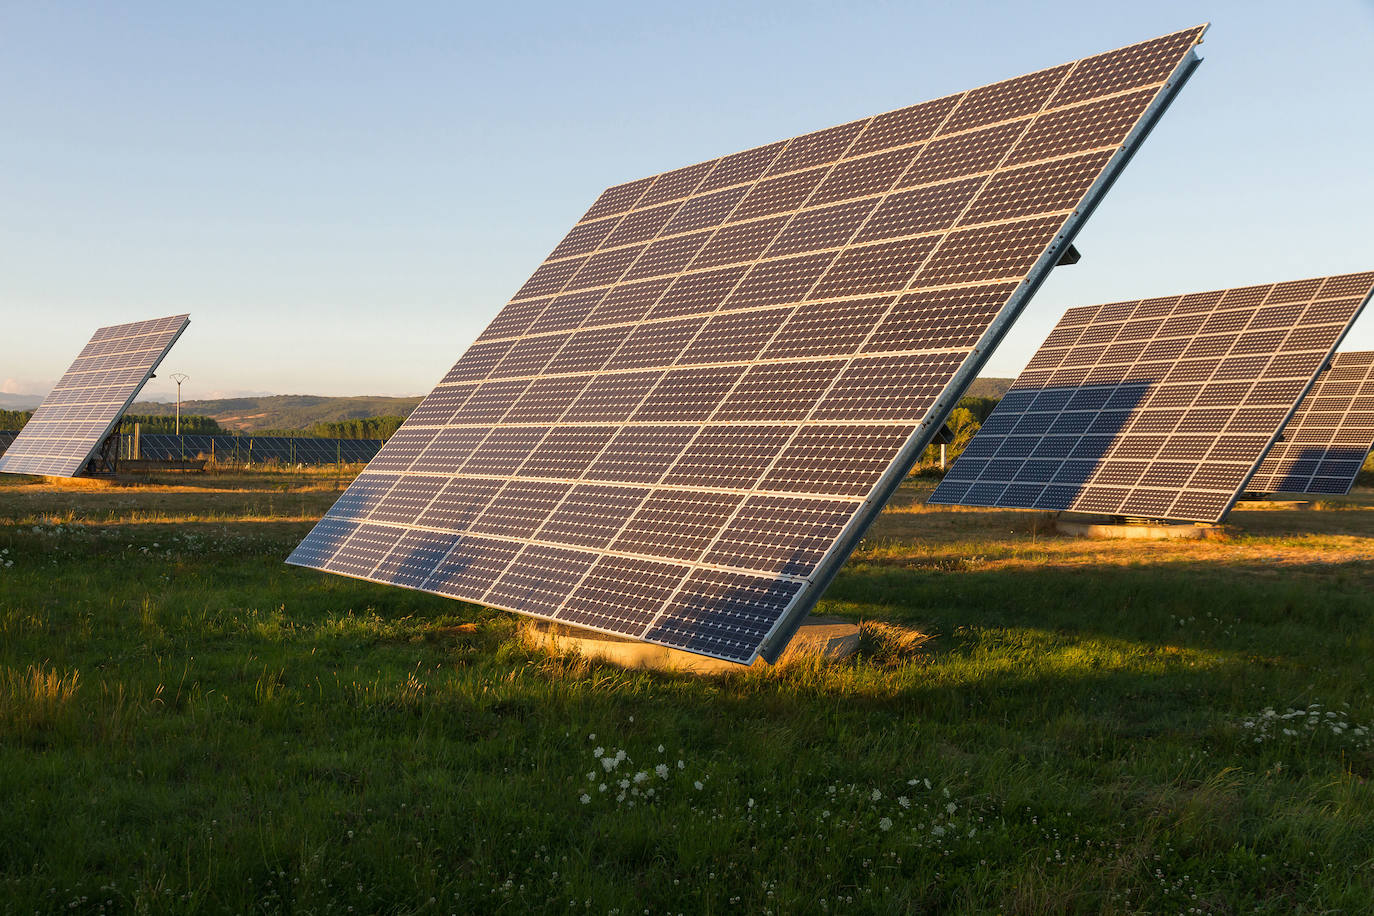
1326	443
1164	408
681	424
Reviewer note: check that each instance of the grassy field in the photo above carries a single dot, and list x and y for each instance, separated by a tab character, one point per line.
1034	725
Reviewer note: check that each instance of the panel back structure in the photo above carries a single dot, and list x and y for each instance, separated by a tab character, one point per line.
682	424
81	411
6	437
1156	408
1325	444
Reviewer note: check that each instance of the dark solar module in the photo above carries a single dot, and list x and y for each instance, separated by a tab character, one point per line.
685	419
1325	444
1177	438
74	420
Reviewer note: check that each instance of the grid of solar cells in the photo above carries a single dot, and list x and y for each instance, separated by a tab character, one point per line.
255	449
81	411
748	342
1158	408
1325	444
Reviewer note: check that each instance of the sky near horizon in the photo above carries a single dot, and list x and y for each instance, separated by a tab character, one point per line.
343	195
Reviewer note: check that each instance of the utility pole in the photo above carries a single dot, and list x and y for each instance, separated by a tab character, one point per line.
179	377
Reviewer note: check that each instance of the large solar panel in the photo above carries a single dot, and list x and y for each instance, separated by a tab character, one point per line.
82	410
1326	442
683	422
1157	408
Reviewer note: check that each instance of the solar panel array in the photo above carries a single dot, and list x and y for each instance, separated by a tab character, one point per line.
1157	408
82	410
257	449
682	422
1325	444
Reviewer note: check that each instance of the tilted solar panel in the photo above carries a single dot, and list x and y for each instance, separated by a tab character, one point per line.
1158	408
683	422
82	410
1328	439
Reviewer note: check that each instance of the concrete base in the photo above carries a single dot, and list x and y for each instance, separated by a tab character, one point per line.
818	637
1161	531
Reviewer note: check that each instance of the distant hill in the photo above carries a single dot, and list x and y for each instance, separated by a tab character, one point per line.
301	411
282	411
20	401
988	387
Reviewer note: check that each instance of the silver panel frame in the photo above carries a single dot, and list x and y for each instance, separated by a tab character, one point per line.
777	638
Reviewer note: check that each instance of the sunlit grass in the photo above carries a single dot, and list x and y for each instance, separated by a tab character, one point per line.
1033	724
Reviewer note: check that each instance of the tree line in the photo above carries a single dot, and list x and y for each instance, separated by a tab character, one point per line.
14	419
356	428
191	424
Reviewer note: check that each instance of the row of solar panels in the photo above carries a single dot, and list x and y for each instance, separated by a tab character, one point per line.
242	449
684	421
256	449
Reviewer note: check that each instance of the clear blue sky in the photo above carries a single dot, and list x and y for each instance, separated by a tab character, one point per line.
342	195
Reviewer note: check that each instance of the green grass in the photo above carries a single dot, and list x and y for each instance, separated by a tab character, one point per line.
188	725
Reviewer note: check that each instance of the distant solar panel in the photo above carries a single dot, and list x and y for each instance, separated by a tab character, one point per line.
1158	408
258	449
683	422
1328	439
82	410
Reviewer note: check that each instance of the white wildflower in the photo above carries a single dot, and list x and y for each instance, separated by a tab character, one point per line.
662	770
885	824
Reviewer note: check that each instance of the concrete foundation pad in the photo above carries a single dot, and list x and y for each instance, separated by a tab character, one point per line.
1090	528
817	637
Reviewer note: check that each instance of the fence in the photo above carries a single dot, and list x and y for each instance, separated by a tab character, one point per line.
251	449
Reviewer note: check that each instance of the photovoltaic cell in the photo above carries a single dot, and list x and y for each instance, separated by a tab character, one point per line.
752	350
1325	444
75	418
1164	408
